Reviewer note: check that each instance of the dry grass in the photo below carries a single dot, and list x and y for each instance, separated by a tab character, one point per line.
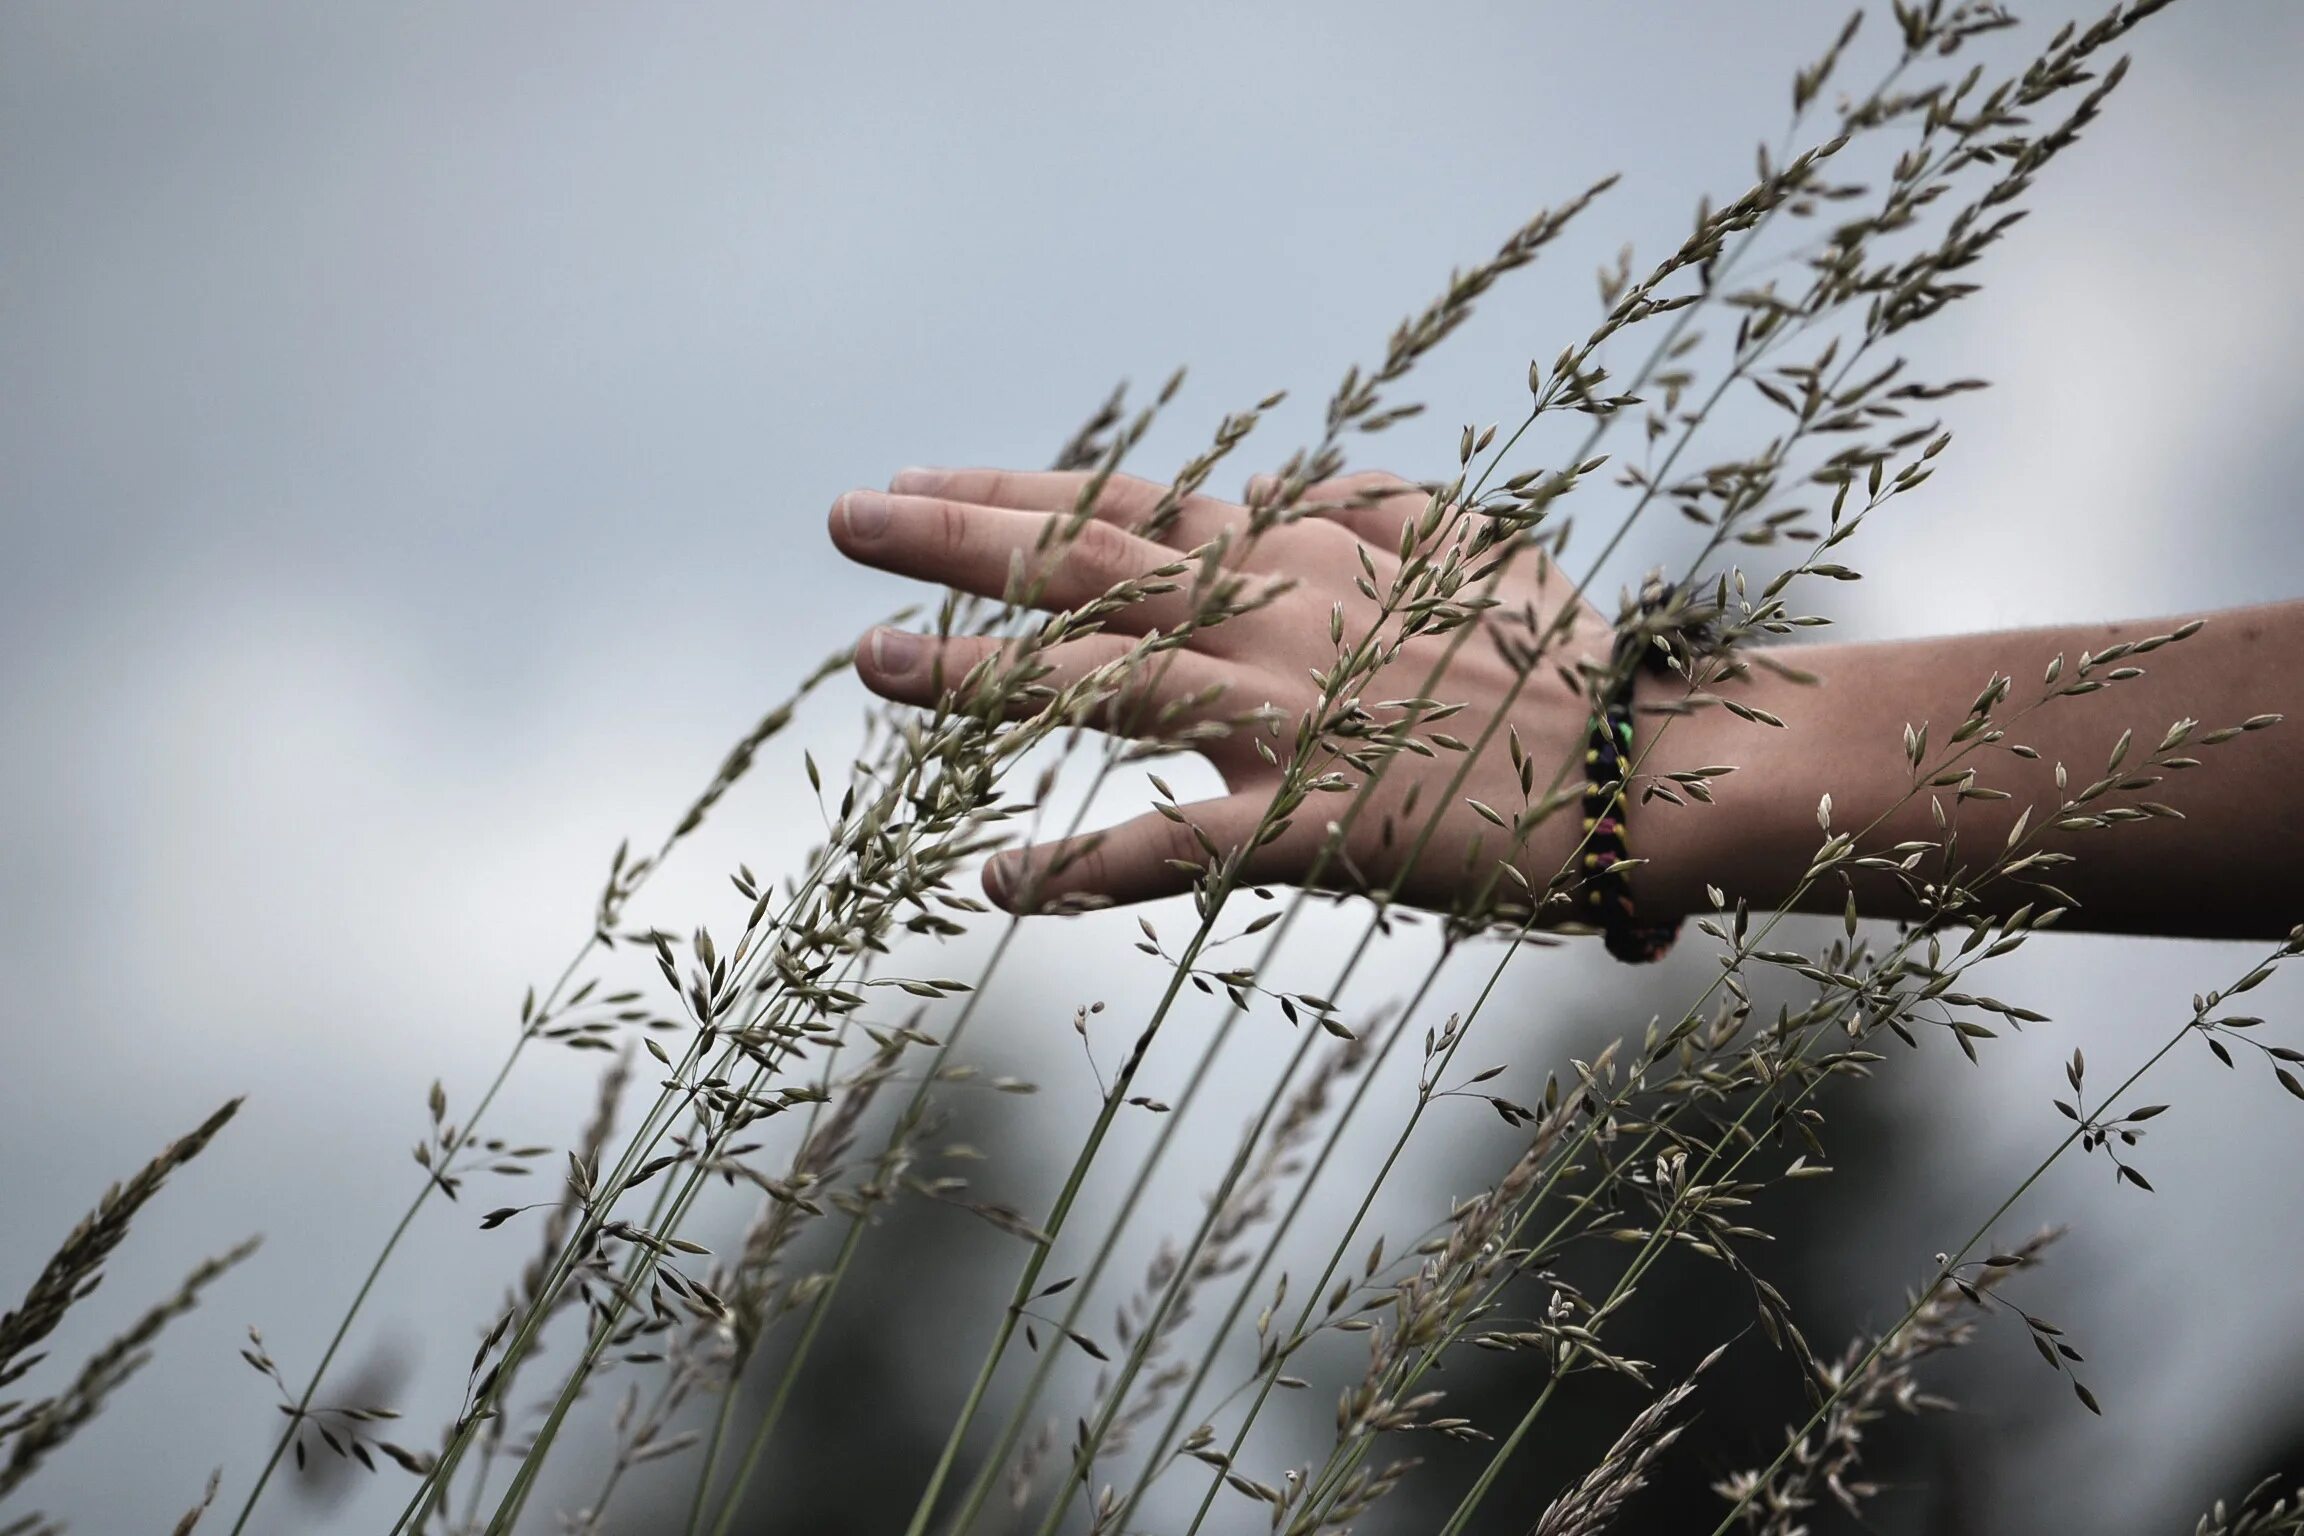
808	1050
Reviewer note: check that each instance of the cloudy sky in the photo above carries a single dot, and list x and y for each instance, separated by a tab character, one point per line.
417	425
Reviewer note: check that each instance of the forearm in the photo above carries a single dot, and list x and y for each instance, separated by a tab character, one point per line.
2232	866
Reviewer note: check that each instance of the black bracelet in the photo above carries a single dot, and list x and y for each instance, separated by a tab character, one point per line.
1605	901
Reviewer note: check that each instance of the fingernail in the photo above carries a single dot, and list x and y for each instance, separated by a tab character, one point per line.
894	651
996	880
865	513
916	480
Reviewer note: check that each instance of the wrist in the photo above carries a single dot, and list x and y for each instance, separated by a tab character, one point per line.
1689	833
1608	895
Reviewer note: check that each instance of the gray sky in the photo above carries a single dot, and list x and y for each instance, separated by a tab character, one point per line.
419	422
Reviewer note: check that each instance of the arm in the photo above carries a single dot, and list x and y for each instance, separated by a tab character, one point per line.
2232	867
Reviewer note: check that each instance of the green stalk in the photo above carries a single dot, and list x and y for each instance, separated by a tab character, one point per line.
1959	1256
1212	904
720	1416
1430	827
594	938
642	1263
1652	1247
1227	439
1584	1137
643	1142
822	1304
982	1482
1012	1430
391	1245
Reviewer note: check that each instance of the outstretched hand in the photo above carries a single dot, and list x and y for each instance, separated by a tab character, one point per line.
1254	676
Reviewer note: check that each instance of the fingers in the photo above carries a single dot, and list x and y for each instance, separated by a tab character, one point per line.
1128	501
1374	504
1049	490
1139	860
1140	694
986	549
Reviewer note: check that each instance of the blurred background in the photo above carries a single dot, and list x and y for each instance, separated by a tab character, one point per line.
418	423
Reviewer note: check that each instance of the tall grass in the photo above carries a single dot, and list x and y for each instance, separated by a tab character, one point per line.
804	1045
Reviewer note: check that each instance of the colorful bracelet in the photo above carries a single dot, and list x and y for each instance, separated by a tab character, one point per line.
1605	901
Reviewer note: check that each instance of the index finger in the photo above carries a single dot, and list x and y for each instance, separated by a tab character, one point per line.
1128	500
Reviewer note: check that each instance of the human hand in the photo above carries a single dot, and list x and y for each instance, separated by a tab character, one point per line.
1256	676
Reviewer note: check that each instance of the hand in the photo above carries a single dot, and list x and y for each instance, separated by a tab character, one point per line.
1255	673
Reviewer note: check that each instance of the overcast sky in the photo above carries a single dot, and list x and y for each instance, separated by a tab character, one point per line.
416	428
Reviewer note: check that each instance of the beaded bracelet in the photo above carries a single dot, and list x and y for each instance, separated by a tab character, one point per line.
1606	900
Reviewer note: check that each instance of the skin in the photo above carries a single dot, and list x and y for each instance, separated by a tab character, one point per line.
2230	867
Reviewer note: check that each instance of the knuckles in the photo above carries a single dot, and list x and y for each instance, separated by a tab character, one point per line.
1099	548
